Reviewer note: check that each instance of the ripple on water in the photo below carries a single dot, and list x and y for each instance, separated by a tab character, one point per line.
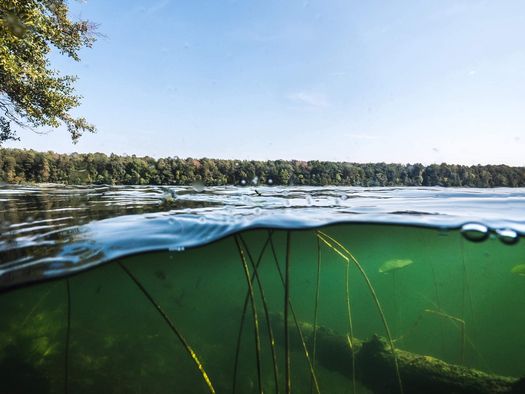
53	229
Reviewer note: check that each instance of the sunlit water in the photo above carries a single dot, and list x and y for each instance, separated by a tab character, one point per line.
172	268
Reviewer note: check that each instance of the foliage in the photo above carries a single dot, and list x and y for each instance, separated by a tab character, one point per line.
32	94
18	166
394	265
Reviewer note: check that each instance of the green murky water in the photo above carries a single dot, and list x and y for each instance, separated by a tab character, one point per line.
457	301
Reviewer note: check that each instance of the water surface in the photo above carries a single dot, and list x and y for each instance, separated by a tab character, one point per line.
209	269
51	230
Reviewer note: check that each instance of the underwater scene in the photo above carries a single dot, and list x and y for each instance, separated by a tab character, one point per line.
299	295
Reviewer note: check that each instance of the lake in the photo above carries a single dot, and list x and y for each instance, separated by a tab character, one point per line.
153	289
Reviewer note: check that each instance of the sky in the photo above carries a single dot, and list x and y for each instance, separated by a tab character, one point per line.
425	81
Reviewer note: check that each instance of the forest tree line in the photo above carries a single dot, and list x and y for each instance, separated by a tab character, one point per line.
29	166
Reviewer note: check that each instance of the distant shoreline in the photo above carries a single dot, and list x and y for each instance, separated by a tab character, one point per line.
29	166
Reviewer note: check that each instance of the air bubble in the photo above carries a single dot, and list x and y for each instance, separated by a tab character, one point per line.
475	232
270	181
243	182
507	236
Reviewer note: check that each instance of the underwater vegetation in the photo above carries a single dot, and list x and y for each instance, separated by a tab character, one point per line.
518	269
394	265
278	311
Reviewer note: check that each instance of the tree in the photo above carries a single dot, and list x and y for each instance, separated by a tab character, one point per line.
32	94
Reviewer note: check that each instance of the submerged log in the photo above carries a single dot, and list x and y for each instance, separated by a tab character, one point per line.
423	374
375	368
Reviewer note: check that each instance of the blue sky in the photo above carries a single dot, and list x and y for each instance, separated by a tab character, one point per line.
405	81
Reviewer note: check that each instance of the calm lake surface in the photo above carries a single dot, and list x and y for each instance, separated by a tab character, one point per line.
193	289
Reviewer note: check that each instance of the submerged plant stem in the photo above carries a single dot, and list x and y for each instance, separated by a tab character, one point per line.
438	303
350	325
35	307
255	267
316	308
243	316
466	293
174	329
345	253
296	322
456	320
254	314
68	332
288	382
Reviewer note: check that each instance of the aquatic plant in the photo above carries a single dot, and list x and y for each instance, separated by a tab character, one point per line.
30	343
337	247
466	295
350	337
518	269
265	306
243	249
287	377
458	322
249	296
294	316
394	265
68	332
316	307
254	313
173	328
391	267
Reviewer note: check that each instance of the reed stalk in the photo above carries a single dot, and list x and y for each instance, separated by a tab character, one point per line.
346	255
296	322
243	316
287	365
466	294
173	328
350	325
68	332
254	314
457	320
266	312
316	309
35	307
438	302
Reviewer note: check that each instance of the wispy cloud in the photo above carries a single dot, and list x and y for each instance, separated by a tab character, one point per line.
156	7
310	99
149	10
363	136
285	35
